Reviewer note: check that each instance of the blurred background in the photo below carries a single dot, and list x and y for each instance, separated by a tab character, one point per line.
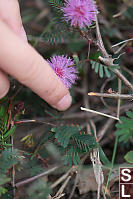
49	35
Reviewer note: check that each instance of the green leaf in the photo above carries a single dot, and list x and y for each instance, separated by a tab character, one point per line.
104	158
129	114
129	157
2	190
101	69
125	128
3	119
64	133
107	73
39	190
4	179
57	4
10	132
97	67
8	159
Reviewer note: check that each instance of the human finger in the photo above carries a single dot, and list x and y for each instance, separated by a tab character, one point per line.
4	84
20	60
10	14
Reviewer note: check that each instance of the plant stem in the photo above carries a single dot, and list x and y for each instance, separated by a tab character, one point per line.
35	177
113	95
107	59
99	113
112	162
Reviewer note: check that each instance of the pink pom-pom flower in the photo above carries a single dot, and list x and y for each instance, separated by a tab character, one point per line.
64	69
79	13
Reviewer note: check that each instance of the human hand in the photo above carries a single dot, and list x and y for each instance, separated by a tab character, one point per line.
20	60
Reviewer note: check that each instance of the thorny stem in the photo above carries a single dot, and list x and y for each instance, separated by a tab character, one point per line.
123	79
106	59
99	39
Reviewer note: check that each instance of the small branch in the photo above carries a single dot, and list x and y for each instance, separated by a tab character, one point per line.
60	191
107	59
36	177
102	91
113	95
123	79
125	41
62	178
74	186
104	129
99	40
127	70
119	100
99	113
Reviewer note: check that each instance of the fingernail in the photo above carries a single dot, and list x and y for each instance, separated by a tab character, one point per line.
23	34
64	103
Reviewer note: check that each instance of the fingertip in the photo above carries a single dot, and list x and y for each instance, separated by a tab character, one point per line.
64	103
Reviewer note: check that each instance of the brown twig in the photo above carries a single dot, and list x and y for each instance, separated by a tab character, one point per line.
36	177
113	95
60	191
127	70
102	91
110	121
74	186
104	129
63	177
99	40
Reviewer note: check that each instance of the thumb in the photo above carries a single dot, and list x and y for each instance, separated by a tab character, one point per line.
20	60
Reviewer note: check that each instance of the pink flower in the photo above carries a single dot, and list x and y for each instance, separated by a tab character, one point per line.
64	69
80	13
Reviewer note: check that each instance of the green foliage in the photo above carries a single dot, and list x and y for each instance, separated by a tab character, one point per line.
39	190
129	157
101	69
125	127
129	13
57	4
103	157
3	119
64	133
7	159
34	167
5	131
74	142
55	37
72	155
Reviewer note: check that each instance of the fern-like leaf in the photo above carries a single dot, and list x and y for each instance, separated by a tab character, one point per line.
55	37
125	129
101	69
57	4
3	119
63	134
73	142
